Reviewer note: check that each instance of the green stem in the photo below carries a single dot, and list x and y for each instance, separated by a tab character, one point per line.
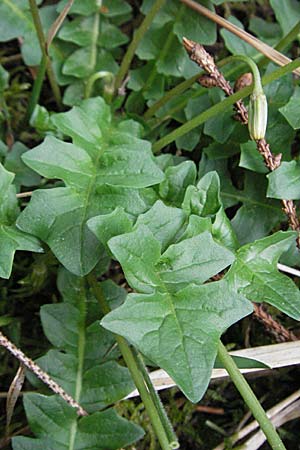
173	442
221	107
257	87
138	35
250	399
42	41
36	89
136	374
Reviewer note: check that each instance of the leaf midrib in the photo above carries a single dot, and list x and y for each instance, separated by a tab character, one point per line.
86	203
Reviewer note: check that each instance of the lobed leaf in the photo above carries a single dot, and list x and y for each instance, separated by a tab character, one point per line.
174	320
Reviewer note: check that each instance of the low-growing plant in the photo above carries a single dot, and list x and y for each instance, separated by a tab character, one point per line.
161	235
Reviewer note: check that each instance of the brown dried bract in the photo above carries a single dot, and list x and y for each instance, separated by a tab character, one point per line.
207	81
243	81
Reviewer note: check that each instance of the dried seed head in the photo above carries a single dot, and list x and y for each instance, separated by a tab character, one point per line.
258	116
243	81
207	81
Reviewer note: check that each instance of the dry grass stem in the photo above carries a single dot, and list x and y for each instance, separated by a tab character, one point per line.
43	376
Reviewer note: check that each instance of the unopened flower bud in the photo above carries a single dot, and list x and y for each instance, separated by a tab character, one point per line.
258	116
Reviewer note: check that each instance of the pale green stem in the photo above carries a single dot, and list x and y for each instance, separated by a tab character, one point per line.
137	376
95	35
221	107
138	35
80	356
173	442
250	399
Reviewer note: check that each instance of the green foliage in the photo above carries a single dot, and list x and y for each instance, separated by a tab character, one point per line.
194	229
169	286
73	329
284	181
104	167
255	274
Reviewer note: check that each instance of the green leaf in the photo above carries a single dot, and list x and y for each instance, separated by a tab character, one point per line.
268	32
102	169
291	111
93	32
84	364
255	274
52	420
251	159
80	32
204	200
178	178
284	181
258	215
13	162
107	226
11	239
169	287
16	21
221	127
82	62
287	13
234	44
180	331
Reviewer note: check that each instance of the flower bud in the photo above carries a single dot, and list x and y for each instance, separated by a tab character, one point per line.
258	116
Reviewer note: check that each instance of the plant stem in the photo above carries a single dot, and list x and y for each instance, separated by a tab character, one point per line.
221	107
138	35
134	369
36	90
174	444
250	399
44	61
288	38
